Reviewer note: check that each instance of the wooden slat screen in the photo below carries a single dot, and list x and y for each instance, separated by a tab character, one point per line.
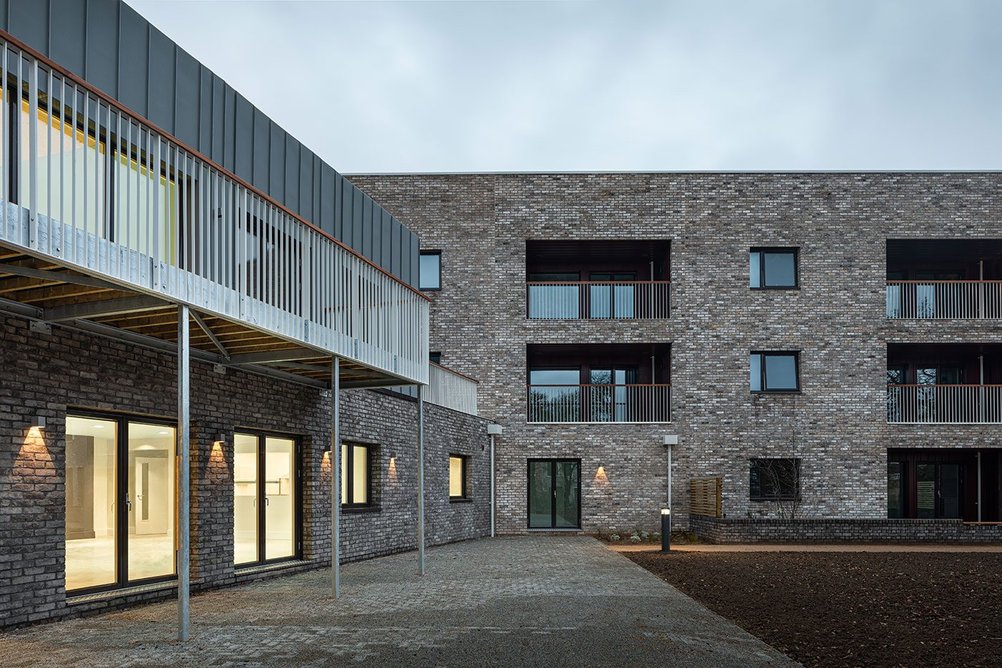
705	496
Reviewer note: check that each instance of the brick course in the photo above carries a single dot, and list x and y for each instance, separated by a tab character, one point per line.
840	222
48	374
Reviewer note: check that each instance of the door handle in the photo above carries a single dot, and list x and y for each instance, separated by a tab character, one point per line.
128	505
267	501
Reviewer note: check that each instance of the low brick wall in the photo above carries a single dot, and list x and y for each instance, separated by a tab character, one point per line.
837	530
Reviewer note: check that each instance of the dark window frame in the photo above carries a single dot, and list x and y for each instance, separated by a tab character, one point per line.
421	285
349	480
297	501
465	496
764	388
122	420
755	492
762	251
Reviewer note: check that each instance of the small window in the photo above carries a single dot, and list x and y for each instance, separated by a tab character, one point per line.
774	479
435	357
774	372
356	487
773	268
457	476
431	270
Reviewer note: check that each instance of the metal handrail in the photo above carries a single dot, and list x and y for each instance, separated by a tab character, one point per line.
944	300
944	404
100	189
586	300
599	402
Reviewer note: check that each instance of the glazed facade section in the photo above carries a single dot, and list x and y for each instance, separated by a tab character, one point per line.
828	338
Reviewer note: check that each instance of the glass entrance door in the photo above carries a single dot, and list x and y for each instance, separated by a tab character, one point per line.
937	490
120	501
554	499
265	498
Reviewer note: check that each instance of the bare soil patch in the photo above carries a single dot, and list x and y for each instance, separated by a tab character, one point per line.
851	609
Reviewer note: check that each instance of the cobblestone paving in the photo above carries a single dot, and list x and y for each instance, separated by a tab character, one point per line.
538	600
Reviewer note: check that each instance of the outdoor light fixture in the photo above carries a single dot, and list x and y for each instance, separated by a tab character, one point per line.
220	440
666	529
494	429
38	423
670	439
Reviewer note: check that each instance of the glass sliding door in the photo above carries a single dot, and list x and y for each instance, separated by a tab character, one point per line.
91	507
280	498
265	498
245	484
554	493
121	506
150	500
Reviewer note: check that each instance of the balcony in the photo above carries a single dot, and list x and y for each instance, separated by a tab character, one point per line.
944	384
598	383
597	280
944	279
109	224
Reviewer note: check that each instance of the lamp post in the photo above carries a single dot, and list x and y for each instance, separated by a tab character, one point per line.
492	431
669	441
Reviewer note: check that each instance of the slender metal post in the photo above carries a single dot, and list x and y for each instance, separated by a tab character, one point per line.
979	485
335	459
183	408
493	510
420	479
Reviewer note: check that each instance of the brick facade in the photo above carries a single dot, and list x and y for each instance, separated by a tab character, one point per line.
47	374
839	221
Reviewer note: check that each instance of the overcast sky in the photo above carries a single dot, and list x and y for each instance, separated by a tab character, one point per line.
592	85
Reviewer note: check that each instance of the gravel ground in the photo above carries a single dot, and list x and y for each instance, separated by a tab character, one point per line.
852	609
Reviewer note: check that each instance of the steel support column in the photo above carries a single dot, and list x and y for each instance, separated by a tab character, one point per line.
335	460
420	479
184	474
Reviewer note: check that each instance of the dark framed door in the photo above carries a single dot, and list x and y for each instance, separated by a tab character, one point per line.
266	498
554	494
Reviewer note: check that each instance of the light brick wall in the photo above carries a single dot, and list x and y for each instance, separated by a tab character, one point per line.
47	374
840	222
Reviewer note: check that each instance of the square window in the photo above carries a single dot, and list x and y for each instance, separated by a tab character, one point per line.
457	476
773	268
774	371
356	479
430	277
774	479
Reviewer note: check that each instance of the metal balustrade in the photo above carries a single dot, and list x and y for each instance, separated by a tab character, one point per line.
598	300
944	404
599	403
447	388
99	190
944	300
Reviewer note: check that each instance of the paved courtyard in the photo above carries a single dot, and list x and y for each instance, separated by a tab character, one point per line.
538	600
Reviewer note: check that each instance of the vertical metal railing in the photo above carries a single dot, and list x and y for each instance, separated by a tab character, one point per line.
598	300
941	300
96	188
944	404
599	403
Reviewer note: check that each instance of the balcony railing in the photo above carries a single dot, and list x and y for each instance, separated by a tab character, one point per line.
598	300
599	403
944	404
105	192
944	300
447	388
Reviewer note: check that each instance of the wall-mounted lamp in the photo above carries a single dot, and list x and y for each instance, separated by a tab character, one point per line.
670	439
219	441
494	429
38	423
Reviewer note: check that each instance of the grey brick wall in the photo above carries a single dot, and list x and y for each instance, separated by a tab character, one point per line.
840	222
47	374
829	531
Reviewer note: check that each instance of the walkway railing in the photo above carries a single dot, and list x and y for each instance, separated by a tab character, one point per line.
599	403
943	300
944	404
98	189
598	300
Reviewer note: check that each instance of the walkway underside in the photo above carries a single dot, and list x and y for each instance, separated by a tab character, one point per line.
62	297
541	601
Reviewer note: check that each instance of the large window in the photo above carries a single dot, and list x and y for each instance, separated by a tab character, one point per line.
430	277
555	395
773	268
774	371
458	465
120	501
774	479
265	498
356	478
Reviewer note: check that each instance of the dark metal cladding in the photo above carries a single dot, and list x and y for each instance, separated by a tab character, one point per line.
111	46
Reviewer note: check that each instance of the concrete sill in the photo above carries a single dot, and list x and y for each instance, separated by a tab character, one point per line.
267	568
112	594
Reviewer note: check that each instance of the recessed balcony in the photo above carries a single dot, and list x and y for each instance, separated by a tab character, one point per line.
597	280
599	383
944	279
944	383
